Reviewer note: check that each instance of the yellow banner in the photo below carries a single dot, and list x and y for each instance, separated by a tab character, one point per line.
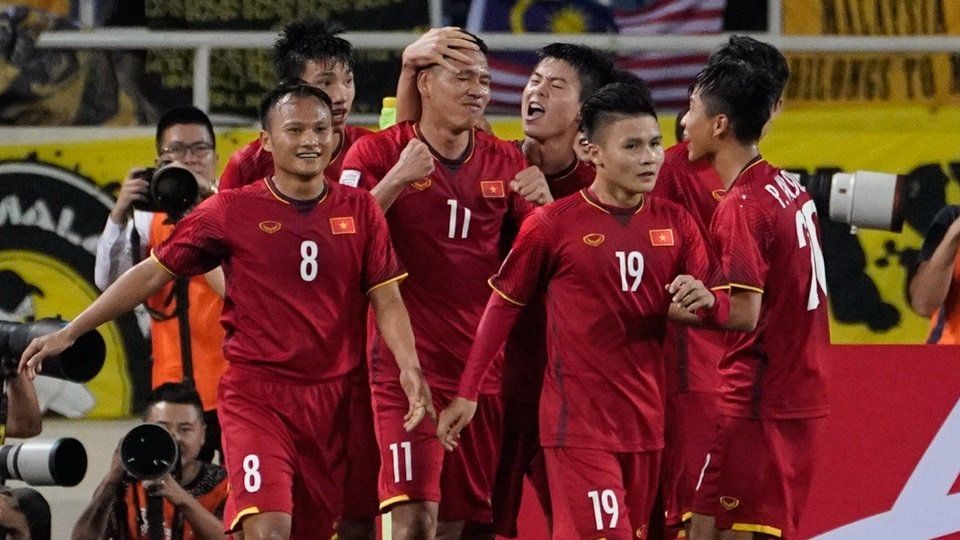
871	17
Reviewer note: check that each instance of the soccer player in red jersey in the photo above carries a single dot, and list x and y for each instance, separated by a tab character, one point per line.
309	52
604	259
693	354
773	395
446	190
301	257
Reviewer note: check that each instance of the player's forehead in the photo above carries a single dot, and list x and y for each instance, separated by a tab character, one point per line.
555	68
293	108
478	62
325	68
635	127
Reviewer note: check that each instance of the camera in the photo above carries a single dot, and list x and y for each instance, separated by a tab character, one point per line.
863	199
79	363
149	451
173	190
60	462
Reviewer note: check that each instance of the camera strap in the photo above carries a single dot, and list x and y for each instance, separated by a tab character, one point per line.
3	413
181	290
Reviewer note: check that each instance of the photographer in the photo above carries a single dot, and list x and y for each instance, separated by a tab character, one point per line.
935	288
193	505
184	137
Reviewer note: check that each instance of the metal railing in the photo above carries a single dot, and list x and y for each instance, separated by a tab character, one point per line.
203	43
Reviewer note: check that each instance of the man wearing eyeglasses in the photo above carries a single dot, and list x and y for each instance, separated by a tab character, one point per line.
184	137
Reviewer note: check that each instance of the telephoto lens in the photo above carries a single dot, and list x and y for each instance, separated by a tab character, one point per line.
61	462
148	452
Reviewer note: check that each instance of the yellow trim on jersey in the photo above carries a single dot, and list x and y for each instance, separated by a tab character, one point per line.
502	294
747	287
276	196
762	529
156	260
583	193
752	165
326	191
401	277
717	288
643	202
249	511
394	500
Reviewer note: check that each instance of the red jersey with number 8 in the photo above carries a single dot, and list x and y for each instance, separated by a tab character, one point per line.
297	274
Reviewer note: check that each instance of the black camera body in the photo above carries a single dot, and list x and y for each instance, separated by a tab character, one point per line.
173	189
149	451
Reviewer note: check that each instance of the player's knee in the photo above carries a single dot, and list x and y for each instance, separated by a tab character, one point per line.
414	521
356	529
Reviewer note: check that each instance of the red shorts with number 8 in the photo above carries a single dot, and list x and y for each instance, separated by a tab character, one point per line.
284	450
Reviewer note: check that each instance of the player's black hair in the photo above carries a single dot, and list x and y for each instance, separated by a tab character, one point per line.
631	79
741	91
294	88
309	39
479	42
183	115
764	56
174	392
593	67
615	99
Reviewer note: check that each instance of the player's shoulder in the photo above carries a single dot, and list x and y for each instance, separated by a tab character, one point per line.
677	153
253	190
662	206
351	196
491	144
355	132
393	137
247	152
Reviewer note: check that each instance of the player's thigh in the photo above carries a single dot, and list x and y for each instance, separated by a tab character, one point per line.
641	474
411	461
466	484
588	494
363	455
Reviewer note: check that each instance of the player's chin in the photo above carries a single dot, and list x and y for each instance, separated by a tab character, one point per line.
644	183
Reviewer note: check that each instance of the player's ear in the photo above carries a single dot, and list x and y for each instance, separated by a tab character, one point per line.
423	77
720	124
265	141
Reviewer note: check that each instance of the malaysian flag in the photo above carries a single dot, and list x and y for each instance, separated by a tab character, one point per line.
668	74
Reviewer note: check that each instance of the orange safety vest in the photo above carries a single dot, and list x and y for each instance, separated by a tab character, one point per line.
212	500
206	332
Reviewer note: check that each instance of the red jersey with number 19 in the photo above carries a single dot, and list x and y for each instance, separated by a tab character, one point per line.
768	240
447	229
296	275
604	272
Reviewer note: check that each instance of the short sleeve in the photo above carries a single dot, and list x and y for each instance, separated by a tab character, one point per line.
363	165
937	230
198	243
380	263
740	231
232	177
524	271
666	186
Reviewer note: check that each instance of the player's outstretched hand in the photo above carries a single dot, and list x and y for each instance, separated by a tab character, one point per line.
690	293
438	46
41	348
418	394
453	418
415	162
532	185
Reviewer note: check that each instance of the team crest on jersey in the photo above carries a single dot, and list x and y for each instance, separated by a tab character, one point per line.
718	194
493	189
270	227
642	532
729	503
593	239
661	237
422	184
342	225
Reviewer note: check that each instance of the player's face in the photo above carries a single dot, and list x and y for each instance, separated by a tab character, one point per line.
459	99
628	153
698	129
550	106
336	80
299	136
184	422
190	145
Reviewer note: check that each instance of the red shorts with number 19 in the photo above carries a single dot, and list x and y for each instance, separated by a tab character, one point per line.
416	467
284	450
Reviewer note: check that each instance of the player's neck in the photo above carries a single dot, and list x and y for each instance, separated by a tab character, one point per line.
298	188
731	159
449	142
550	155
611	194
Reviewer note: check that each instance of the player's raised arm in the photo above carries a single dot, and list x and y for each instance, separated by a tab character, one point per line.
434	47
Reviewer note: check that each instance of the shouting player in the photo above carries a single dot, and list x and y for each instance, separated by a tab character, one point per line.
301	257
